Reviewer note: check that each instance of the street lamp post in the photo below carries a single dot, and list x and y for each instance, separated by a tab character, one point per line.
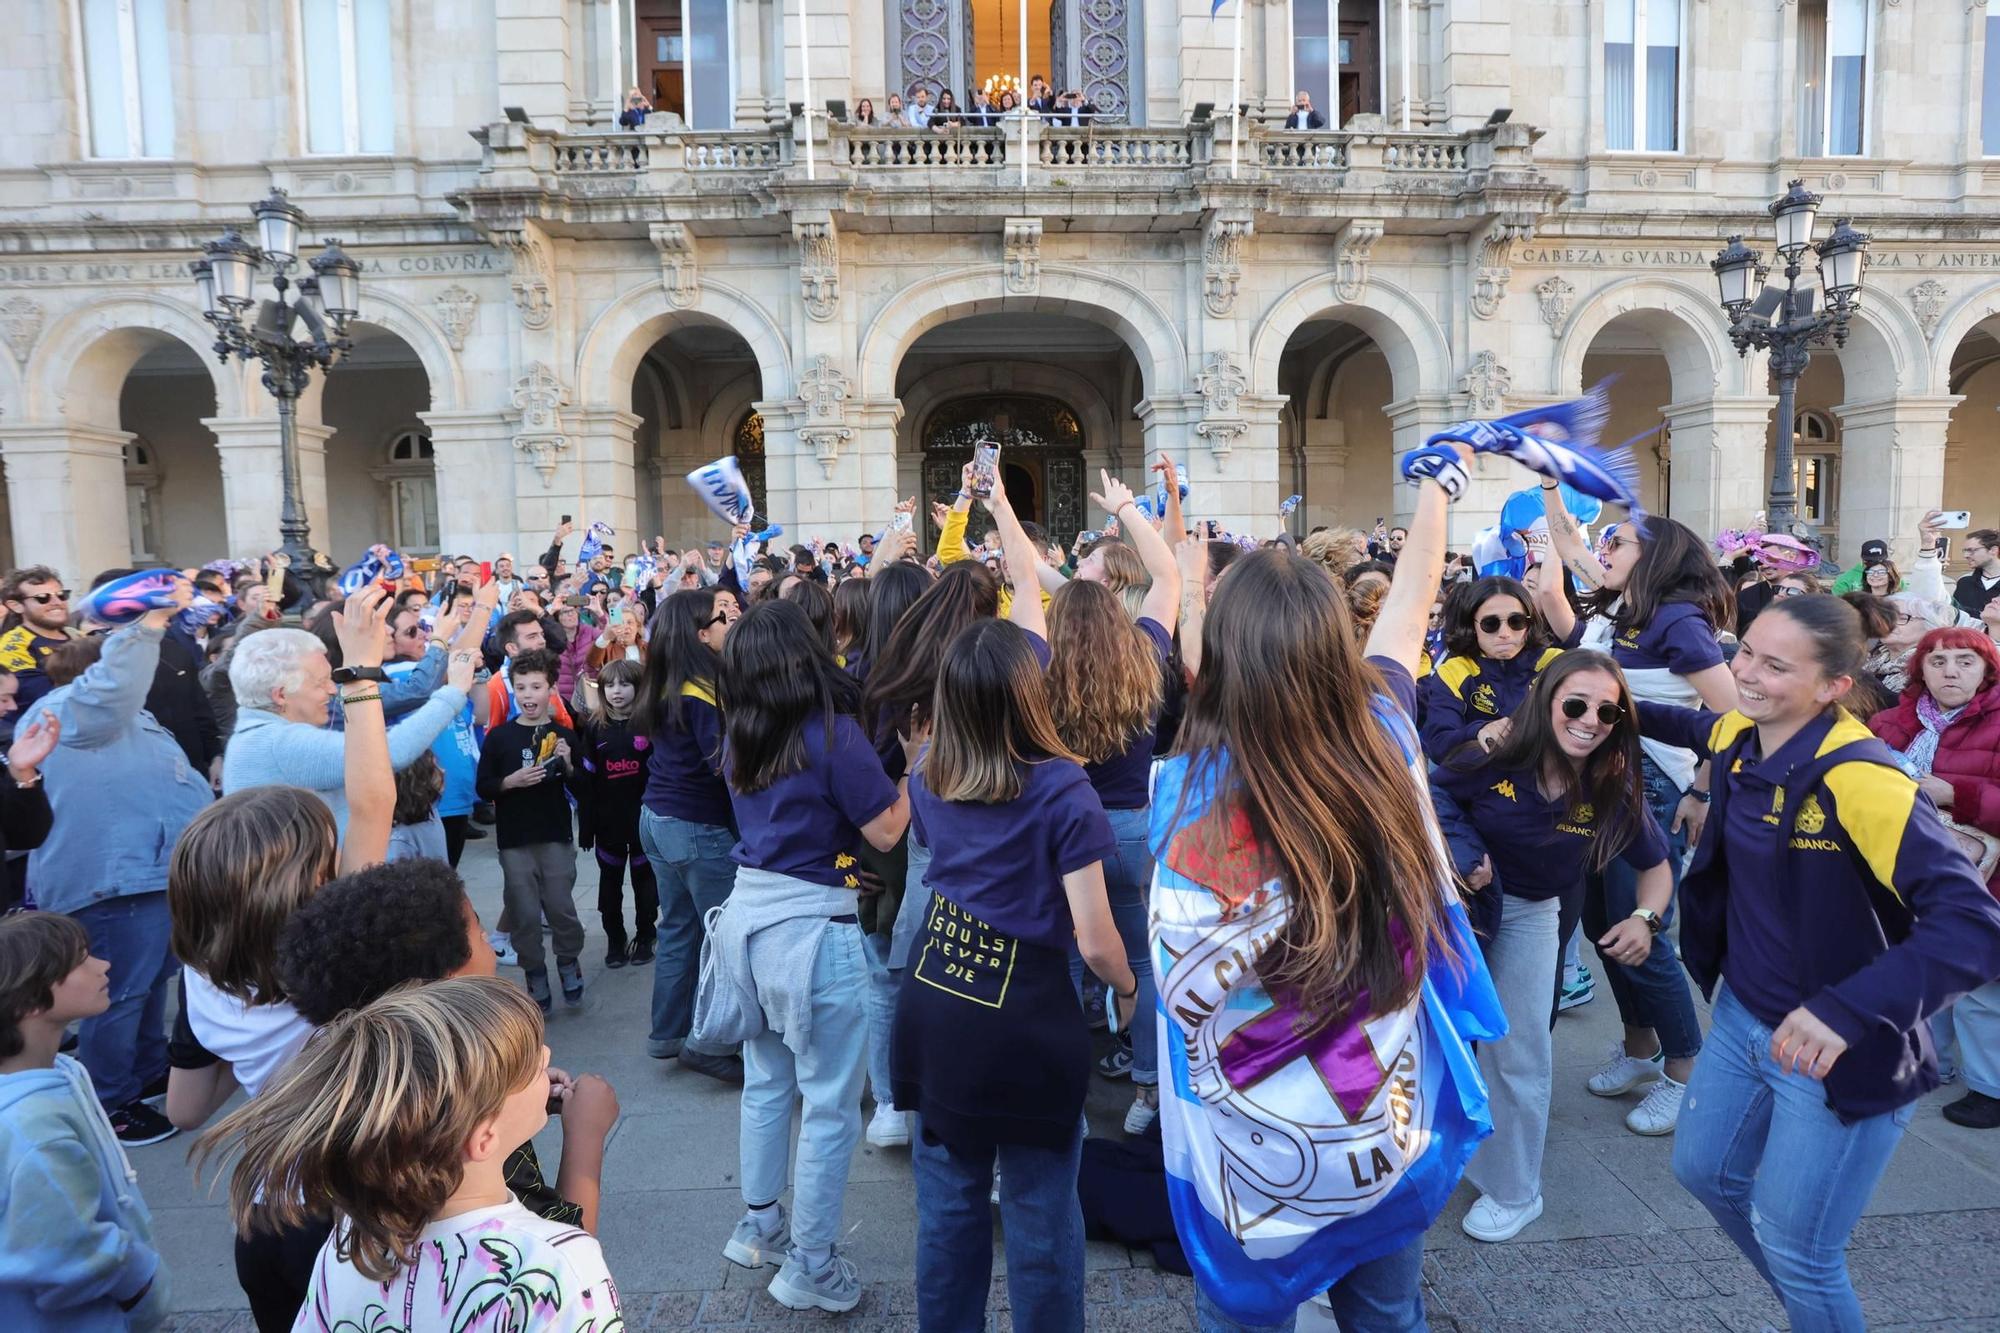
1784	322
225	279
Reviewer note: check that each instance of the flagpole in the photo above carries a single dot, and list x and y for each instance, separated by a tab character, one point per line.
1021	95
805	81
1236	99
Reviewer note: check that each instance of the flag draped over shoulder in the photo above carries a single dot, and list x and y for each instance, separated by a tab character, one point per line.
1296	1152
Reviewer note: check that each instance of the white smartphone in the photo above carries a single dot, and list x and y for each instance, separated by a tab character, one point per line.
1955	518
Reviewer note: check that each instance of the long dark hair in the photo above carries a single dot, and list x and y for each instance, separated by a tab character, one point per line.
776	673
1461	615
850	617
676	657
1673	566
891	594
1334	811
903	678
992	713
1608	781
811	597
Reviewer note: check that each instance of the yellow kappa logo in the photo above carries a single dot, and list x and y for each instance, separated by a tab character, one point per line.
1505	788
1484	699
1812	819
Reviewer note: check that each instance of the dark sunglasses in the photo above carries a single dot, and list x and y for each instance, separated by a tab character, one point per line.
1514	620
1576	706
1782	591
44	598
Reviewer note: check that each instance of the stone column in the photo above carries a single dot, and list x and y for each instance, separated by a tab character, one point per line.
1477	60
66	497
1891	470
1228	446
1415	419
312	438
473	457
252	483
604	474
1718	448
532	46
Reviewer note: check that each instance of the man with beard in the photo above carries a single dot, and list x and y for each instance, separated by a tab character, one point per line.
37	624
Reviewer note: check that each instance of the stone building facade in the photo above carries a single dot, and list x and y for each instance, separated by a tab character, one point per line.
563	317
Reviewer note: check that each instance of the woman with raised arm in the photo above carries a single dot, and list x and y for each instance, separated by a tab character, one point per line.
1656	603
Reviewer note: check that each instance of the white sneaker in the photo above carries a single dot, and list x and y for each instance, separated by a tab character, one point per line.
1490	1221
503	949
1622	1072
1661	1110
1144	1111
889	1128
753	1247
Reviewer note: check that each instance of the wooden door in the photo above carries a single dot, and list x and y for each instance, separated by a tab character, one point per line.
1360	81
662	50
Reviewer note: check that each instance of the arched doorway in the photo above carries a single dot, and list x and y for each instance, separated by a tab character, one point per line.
1971	455
380	477
1336	440
1041	458
173	474
693	391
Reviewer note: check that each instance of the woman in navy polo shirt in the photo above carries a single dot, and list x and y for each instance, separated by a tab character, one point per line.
1106	682
1495	644
991	1050
684	825
1838	914
1559	797
808	792
1656	602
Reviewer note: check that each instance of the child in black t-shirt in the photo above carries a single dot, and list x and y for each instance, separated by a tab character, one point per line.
524	767
614	773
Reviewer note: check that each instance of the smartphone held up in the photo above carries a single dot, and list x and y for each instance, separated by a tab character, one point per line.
985	468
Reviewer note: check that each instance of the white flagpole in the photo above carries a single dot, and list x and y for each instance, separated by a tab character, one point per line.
1236	99
806	82
1021	95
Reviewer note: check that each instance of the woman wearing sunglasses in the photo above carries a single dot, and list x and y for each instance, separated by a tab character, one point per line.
1559	798
1495	644
1657	601
1831	904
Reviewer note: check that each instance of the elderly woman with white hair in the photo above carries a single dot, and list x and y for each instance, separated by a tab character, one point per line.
1915	616
284	683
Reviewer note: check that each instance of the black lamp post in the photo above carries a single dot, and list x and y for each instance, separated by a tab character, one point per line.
226	280
1785	322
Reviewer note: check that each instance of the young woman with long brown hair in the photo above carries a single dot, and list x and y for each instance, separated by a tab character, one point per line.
1303	892
1105	687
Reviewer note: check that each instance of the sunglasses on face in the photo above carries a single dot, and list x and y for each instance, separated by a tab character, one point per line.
1513	620
44	598
1576	706
1782	591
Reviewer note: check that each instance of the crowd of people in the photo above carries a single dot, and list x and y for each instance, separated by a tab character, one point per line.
1315	831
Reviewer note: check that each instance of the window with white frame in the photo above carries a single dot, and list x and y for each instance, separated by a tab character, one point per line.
128	90
1989	105
345	55
1835	50
411	476
1642	75
1337	50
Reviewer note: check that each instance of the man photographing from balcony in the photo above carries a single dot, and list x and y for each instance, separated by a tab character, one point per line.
1303	116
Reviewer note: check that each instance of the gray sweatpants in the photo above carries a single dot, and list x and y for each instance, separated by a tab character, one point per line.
1523	957
539	880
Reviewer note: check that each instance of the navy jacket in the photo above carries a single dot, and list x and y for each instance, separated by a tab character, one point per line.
1465	693
1890	922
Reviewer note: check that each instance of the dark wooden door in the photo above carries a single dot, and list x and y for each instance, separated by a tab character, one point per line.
663	55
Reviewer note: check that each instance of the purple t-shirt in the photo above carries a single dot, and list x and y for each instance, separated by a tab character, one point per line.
807	824
1678	639
1121	780
1004	863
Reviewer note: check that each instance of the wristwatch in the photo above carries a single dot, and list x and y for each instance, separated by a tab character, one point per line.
347	675
1649	916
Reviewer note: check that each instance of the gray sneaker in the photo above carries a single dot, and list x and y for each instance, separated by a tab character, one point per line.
835	1288
754	1248
538	987
571	973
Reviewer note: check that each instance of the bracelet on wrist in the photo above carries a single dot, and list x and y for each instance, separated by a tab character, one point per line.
33	779
348	701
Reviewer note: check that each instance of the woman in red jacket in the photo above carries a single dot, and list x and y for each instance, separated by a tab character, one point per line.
1946	732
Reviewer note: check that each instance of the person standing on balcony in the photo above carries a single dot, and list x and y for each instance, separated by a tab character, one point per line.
1041	98
864	112
983	114
895	118
920	109
947	115
1303	116
637	108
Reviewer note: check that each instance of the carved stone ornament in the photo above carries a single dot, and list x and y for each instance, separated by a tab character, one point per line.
533	277
539	396
819	266
455	309
823	389
21	321
1927	303
1222	262
1022	256
1496	253
1555	295
678	272
1487	383
825	442
1222	384
1350	257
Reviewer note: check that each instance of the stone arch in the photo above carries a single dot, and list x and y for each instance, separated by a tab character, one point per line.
1682	318
408	321
1154	339
725	409
1970	311
1408	334
932	391
608	354
79	367
1886	355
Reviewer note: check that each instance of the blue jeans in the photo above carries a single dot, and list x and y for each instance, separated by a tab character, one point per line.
1781	1174
1654	994
691	863
882	983
1381	1296
125	1047
916	902
1039	1213
827	1077
1128	885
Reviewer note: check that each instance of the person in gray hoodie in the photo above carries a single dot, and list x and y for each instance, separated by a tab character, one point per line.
76	1241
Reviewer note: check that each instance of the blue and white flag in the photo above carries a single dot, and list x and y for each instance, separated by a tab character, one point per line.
1289	503
722	488
1559	442
379	563
593	542
1294	1156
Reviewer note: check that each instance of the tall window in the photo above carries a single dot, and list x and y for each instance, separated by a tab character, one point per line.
127	77
1834	46
682	62
1337	56
413	492
346	54
1989	112
1642	76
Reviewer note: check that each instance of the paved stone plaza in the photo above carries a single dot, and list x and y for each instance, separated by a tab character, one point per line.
1620	1247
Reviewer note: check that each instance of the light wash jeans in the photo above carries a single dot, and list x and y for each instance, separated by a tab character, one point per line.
1781	1174
1381	1296
1518	1067
1128	886
1043	1222
882	983
916	902
692	866
827	1076
1976	1020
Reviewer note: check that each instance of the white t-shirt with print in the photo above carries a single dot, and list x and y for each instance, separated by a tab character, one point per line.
492	1268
